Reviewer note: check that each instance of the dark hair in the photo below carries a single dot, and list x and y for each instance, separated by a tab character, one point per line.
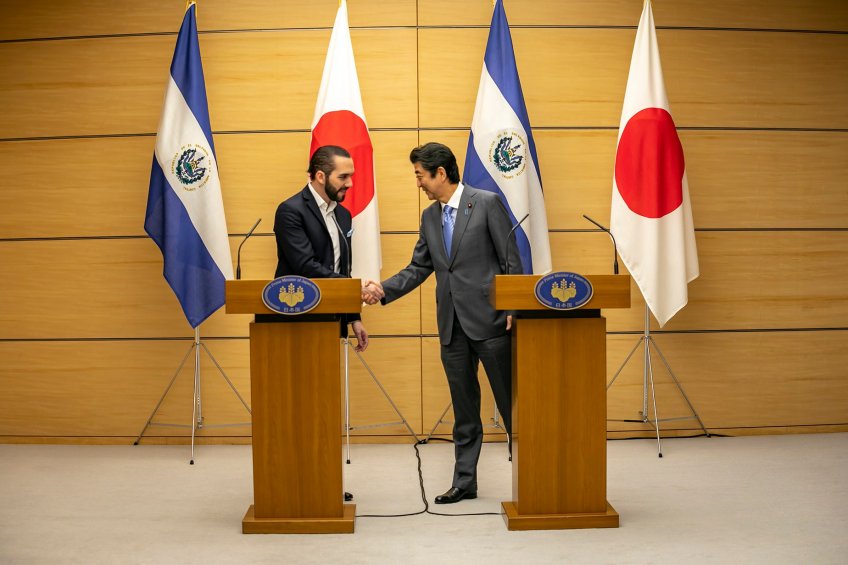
434	155
323	159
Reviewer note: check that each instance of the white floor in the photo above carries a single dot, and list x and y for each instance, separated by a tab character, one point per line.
774	499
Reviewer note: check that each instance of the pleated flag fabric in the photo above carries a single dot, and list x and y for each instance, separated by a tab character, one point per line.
501	155
340	120
185	211
651	214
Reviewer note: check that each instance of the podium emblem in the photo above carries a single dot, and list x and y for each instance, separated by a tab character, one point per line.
563	291
291	295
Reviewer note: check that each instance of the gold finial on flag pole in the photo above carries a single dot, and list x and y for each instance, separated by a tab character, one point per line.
189	3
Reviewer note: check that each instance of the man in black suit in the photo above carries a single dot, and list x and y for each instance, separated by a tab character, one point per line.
313	231
464	236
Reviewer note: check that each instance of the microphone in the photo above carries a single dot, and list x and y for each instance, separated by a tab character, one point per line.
614	246
509	235
238	259
347	246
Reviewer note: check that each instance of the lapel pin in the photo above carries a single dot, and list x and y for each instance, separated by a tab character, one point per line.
468	209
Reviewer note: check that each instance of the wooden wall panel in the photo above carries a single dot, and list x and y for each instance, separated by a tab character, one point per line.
110	388
284	69
255	81
746	179
763	117
46	182
737	380
396	364
735	79
727	295
750	280
117	384
110	288
737	179
84	87
780	14
754	380
747	281
714	78
22	19
401	317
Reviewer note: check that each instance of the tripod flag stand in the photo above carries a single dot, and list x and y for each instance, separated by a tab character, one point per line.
348	428
197	410
647	341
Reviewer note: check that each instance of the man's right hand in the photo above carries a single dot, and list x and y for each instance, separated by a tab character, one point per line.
372	292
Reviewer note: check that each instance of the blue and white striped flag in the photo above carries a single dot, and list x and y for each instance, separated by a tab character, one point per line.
501	153
185	212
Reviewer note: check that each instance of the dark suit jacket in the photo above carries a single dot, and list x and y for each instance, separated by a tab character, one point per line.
304	246
478	253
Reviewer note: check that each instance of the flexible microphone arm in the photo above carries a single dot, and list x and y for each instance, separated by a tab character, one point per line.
509	235
238	259
347	245
614	246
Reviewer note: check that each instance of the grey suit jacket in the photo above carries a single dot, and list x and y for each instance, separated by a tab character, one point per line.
478	253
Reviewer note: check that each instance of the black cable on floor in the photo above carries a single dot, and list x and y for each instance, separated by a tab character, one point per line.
424	494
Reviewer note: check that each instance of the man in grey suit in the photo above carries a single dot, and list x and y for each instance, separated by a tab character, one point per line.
464	236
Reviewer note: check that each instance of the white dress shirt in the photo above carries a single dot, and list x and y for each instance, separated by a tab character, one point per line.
454	201
327	212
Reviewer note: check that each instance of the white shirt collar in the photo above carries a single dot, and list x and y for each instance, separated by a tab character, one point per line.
455	198
325	207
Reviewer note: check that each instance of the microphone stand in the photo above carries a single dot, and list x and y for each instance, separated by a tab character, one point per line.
367	368
238	257
349	259
614	246
509	235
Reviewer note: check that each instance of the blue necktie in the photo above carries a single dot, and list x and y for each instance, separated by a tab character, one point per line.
447	227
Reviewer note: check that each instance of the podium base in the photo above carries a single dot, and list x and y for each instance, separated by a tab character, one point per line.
515	521
342	525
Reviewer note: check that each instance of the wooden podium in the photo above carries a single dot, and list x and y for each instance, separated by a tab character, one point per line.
559	457
295	390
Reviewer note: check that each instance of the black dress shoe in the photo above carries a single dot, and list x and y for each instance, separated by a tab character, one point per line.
348	496
455	494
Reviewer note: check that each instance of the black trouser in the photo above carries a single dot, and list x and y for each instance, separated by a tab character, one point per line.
460	359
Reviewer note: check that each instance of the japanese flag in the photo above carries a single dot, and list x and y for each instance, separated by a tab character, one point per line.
340	120
651	214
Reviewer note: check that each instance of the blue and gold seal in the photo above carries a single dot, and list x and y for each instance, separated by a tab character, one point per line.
291	295
563	291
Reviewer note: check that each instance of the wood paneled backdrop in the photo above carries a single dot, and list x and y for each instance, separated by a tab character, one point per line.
90	333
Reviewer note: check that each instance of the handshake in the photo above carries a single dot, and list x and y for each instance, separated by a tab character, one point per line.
372	292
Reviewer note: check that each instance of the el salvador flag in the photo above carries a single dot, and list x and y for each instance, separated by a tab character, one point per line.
185	212
501	153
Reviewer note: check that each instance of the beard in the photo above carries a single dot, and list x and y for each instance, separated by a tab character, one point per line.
334	192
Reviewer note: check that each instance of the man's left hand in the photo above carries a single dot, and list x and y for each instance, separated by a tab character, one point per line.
508	323
361	335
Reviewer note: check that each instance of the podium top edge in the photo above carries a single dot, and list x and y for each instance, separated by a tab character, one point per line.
338	296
